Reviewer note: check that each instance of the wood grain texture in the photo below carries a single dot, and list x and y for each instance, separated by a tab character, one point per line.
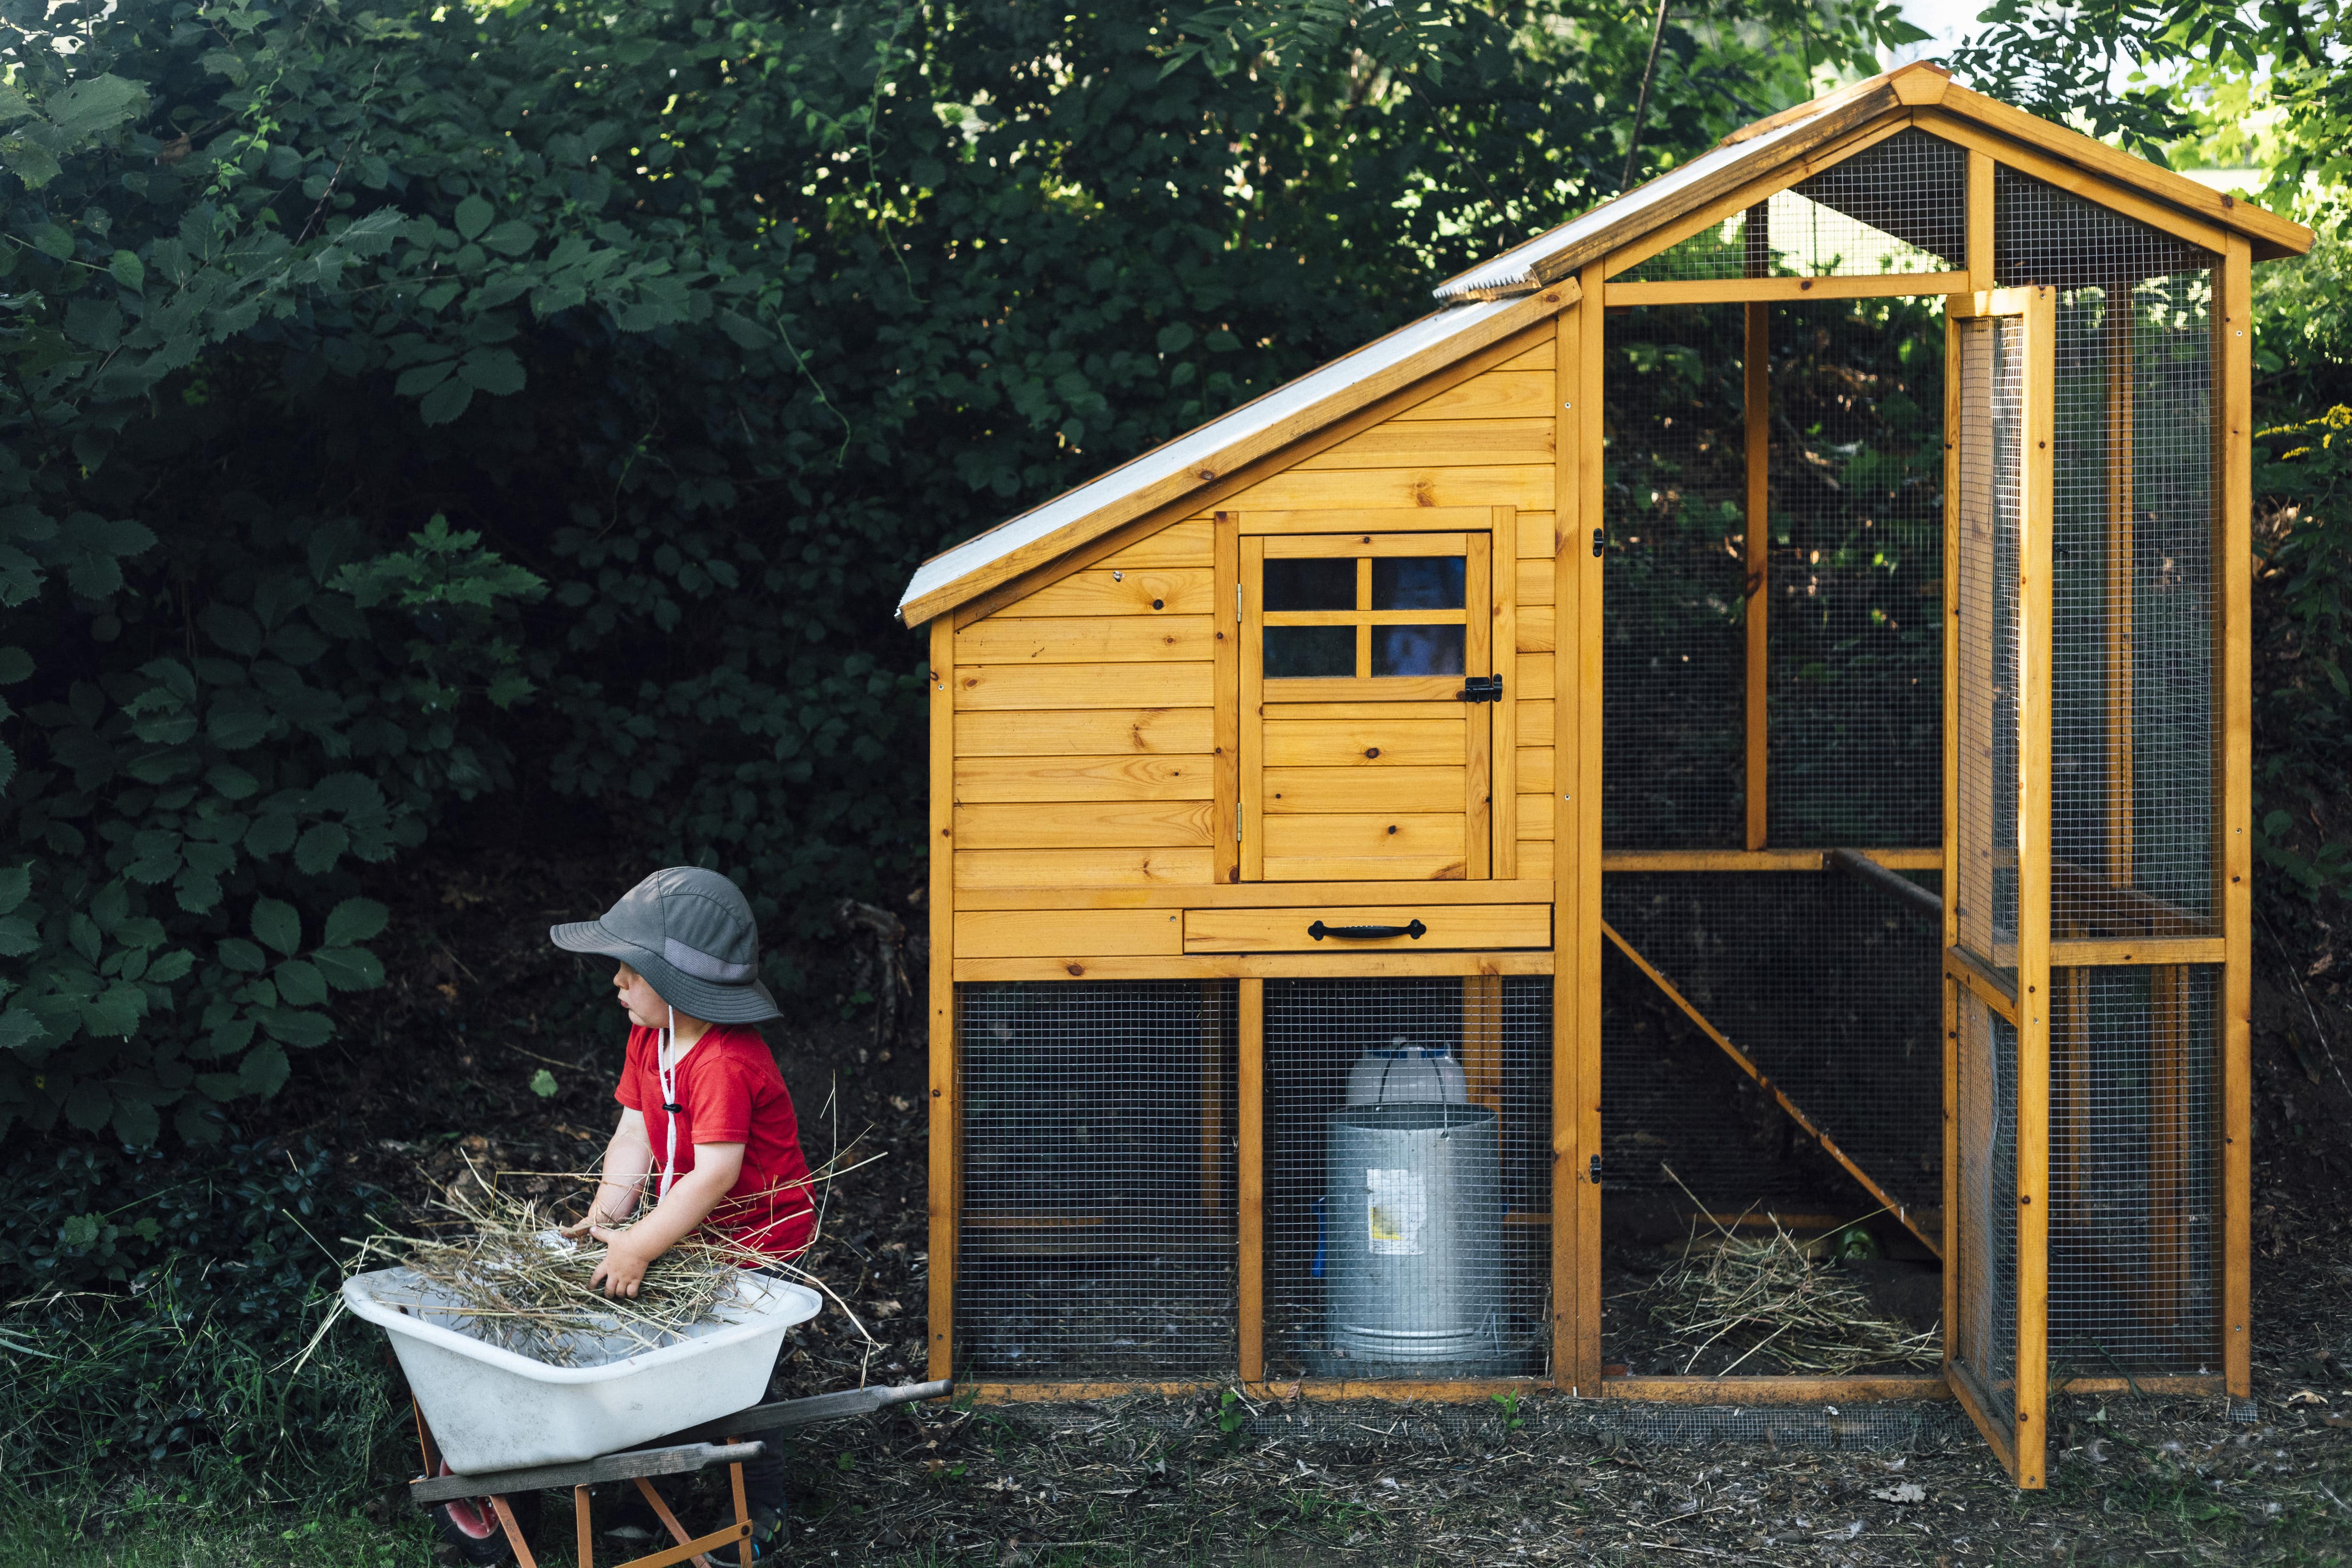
1449	925
981	780
1086	640
1366	743
2233	488
1179	544
1079	868
1577	816
1502	832
1535	721
1439	443
1228	680
1050	933
1072	735
1249	1180
1371	788
1726	290
1534	579
1368	835
1535	771
1265	966
1496	394
1108	686
1526	486
2120	197
1537	532
1258	895
940	987
1536	860
1085	824
1112	591
1440	867
1539	629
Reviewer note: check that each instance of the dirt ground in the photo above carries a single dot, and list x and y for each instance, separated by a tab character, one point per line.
480	1008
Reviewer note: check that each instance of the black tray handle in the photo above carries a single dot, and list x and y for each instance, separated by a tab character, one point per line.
1367	933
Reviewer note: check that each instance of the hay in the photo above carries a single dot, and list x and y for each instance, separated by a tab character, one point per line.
525	1289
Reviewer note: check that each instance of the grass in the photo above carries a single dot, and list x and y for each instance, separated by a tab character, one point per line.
139	1528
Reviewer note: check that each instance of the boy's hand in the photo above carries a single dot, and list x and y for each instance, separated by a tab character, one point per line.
626	1261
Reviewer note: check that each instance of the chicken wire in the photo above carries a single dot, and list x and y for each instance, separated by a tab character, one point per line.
1829	984
2134	1210
1898	206
1983	1335
1096	1232
1988	445
1854	635
1405	1237
2132	711
1675	579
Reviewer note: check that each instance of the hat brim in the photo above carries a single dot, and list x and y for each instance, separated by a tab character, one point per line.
705	999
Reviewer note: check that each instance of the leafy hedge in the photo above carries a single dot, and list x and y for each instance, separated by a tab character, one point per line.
698	322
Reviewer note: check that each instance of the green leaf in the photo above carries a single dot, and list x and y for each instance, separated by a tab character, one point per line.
15	665
51	240
220	1087
197	1123
95	104
354	920
89	1106
305	1031
136	1123
129	271
18	937
348	968
473	215
263	1069
172	966
233	782
320	847
510	239
494	371
542	1083
274	924
30	160
300	984
445	401
19	1029
16	885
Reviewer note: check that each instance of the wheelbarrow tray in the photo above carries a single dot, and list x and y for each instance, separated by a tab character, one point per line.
492	1409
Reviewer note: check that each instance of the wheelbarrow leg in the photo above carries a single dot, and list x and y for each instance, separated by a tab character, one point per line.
687	1546
742	1515
523	1559
580	1523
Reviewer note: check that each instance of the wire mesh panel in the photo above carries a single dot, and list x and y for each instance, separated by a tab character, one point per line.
2132	715
1988	445
1408	1176
1898	206
1984	1333
1673	590
1855	639
2134	1210
1829	984
1096	1233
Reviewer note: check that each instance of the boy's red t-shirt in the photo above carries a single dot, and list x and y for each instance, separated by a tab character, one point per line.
732	1094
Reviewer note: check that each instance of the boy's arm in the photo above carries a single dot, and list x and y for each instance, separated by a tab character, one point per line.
627	1159
628	1253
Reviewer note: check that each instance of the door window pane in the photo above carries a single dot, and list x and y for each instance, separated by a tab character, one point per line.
1417	582
1311	585
1294	653
1414	650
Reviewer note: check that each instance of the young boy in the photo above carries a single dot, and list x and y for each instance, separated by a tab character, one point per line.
702	1103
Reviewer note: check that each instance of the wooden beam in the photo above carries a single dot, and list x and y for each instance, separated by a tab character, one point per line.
2118	600
1577	725
1740	1059
2157	214
1998	1435
945	1184
1762	860
1980	982
2034	763
2232	327
1347	412
1482	656
1757	381
1731	290
2088	953
1503	737
1776	1390
1258	895
1263	965
1227	721
1981	250
1979	220
1249	1116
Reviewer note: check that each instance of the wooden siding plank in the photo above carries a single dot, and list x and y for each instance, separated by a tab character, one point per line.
1114	591
1113	685
1294	790
1535	770
1728	291
1072	825
1523	486
1535	720
1447	708
1286	930
1536	819
1182	544
1250	552
1090	640
1075	933
1533	673
1537	541
1479	656
1228	661
1535	578
1365	868
1439	443
1076	734
1366	743
1497	395
1536	860
1258	895
982	780
1271	966
1370	835
1539	629
1080	868
1537	358
1503	738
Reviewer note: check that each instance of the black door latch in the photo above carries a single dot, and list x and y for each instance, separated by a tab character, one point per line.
1594	1170
1482	689
1596	543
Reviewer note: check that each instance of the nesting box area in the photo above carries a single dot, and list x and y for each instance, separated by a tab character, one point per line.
1678	823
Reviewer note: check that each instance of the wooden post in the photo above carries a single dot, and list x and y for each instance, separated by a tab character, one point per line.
1757	365
1502	743
1251	556
1480	656
2119	598
946	1196
1225	615
2036	559
1979	221
1249	1177
1953	1261
2234	489
1212	1099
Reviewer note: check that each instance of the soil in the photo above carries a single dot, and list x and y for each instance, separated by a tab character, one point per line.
480	1008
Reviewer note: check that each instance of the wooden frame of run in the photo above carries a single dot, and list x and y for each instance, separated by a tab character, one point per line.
1566	321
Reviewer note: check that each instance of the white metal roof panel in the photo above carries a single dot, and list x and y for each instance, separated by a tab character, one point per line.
1196	448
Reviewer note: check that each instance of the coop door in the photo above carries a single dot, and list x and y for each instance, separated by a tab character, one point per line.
1998	516
1368	687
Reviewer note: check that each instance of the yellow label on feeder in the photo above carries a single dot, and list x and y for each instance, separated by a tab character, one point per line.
1394	1208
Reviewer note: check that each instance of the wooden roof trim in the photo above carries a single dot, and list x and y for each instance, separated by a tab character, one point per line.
1921	82
1250	445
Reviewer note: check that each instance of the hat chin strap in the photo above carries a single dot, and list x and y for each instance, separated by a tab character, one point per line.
667	1069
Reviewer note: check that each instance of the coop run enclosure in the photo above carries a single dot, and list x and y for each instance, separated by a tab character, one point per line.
1674	830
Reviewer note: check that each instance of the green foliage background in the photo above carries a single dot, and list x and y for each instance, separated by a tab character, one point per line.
408	405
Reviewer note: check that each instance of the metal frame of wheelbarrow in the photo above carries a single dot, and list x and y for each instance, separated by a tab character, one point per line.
685	1453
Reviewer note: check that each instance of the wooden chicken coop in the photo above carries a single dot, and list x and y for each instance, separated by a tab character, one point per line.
1736	723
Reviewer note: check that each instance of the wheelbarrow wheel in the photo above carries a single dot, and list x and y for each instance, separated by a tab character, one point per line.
470	1525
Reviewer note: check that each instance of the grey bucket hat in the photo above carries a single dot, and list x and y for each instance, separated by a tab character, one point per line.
690	934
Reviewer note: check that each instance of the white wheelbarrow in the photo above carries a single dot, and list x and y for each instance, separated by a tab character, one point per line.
492	1424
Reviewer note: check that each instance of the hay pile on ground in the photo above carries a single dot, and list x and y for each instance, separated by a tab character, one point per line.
1749	1295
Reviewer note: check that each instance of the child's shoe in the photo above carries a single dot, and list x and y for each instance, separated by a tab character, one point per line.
771	1532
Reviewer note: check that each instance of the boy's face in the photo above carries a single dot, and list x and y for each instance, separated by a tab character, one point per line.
646	1009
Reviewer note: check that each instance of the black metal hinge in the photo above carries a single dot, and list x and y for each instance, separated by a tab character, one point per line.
1482	689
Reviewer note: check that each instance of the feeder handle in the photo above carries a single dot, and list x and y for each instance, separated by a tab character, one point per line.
1367	933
